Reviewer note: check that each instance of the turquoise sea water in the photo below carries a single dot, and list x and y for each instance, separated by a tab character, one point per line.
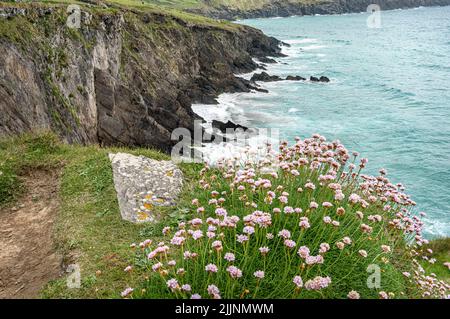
389	96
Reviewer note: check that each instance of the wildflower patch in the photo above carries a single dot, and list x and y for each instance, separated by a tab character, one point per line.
142	184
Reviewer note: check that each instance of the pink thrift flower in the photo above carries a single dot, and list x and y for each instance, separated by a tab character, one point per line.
211	268
229	257
353	295
128	291
313	205
298	281
259	274
289	243
196	296
284	233
172	284
264	250
303	252
234	272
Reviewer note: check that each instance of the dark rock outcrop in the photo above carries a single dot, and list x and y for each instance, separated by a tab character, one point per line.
295	78
265	77
228	125
125	78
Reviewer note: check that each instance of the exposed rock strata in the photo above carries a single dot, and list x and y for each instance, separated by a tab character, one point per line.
124	78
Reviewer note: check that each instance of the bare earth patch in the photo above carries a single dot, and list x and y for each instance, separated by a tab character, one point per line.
28	259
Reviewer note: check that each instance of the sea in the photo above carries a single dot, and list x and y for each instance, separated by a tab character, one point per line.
388	97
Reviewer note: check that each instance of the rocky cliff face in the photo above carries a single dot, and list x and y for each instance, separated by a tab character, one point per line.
123	78
285	8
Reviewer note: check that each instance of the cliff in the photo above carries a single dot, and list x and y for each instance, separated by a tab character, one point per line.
126	77
285	8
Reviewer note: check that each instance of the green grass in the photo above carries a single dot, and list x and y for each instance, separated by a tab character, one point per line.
441	252
90	232
89	229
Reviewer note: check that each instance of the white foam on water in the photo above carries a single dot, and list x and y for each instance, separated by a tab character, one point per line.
301	41
293	110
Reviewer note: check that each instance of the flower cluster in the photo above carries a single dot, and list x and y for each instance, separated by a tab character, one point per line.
302	223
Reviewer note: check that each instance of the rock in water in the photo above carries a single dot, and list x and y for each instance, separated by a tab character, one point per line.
324	79
265	77
313	79
142	183
228	125
295	78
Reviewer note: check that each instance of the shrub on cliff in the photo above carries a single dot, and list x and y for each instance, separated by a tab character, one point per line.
306	225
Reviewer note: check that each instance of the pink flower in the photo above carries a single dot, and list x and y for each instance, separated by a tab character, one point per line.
264	250
217	245
318	283
312	260
211	268
196	296
166	230
128	269
213	290
173	284
234	272
347	240
289	243
186	288
324	247
276	210
259	274
157	266
327	220
406	274
248	230
229	257
385	248
298	281
221	212
177	241
200	210
310	186
196	222
327	204
288	210
284	233
335	223
242	238
353	295
128	291
195	202
304	223
354	198
313	205
303	252
269	236
197	234
383	295
172	263
363	253
340	245
283	199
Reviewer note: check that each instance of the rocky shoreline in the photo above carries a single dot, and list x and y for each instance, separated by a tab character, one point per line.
124	78
287	8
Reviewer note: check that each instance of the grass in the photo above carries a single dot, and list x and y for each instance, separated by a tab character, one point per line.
441	252
89	230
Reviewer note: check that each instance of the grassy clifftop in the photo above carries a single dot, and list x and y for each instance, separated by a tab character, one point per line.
89	231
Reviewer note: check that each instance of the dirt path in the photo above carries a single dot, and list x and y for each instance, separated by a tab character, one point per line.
27	256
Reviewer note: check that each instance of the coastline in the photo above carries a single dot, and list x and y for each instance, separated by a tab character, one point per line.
287	9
